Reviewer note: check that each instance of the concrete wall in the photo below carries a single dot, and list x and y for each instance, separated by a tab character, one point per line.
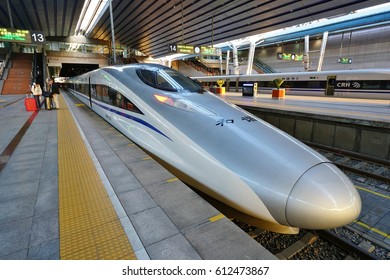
55	59
364	137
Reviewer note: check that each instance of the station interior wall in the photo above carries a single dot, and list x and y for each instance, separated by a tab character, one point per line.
368	48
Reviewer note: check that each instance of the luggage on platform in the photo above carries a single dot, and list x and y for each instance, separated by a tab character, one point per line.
30	103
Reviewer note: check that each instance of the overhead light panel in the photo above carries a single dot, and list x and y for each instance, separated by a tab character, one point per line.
92	11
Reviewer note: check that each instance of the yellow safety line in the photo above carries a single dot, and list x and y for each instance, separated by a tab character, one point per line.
373	192
172	180
384	234
89	225
216	218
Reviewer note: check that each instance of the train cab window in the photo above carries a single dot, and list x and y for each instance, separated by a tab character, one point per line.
185	82
169	80
163	83
147	76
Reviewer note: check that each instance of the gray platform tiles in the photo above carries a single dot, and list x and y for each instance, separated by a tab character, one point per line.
29	187
171	221
163	218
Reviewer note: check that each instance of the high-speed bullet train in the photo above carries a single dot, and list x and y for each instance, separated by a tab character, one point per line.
264	176
371	83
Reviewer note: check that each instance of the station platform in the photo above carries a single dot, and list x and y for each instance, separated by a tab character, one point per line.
73	187
367	110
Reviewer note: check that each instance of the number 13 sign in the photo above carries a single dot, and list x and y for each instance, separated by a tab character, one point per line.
37	37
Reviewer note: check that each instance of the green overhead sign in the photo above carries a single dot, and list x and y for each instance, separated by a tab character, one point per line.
188	49
21	36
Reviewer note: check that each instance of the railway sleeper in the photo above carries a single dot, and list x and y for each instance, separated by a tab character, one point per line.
308	239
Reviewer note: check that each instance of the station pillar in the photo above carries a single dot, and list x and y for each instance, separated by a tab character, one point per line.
322	51
251	57
235	60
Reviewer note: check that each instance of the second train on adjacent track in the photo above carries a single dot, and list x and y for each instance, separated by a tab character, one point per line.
364	83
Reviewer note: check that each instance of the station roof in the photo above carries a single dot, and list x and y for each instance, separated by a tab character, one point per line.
149	26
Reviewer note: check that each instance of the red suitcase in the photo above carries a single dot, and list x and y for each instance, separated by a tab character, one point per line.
30	104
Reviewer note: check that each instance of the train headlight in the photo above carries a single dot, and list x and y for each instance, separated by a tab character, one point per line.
183	104
165	99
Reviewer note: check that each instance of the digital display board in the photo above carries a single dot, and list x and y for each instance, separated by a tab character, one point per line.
188	49
290	56
177	48
210	51
344	60
21	36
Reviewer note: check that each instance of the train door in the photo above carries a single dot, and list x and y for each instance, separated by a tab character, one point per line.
89	92
330	85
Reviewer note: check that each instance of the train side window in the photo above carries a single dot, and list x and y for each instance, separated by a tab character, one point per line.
111	96
371	85
102	93
118	100
128	105
93	91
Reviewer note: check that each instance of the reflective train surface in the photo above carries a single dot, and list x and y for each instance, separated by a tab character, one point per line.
253	170
372	83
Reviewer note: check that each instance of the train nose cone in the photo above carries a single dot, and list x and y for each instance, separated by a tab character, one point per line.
323	198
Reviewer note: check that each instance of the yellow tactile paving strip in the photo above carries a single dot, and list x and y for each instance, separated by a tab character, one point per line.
89	225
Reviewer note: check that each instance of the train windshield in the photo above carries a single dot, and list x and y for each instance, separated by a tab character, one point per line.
169	80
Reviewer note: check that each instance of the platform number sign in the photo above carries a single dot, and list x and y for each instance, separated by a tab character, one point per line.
21	36
178	48
172	48
37	37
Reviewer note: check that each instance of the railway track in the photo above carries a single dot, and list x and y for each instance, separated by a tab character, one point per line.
369	167
309	245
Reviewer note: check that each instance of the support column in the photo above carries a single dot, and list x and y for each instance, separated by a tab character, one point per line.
306	58
251	57
10	14
236	71
322	51
112	33
227	62
220	64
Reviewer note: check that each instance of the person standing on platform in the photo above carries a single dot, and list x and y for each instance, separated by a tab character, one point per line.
48	95
37	92
55	92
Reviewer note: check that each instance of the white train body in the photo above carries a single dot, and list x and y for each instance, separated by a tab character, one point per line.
263	175
370	83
